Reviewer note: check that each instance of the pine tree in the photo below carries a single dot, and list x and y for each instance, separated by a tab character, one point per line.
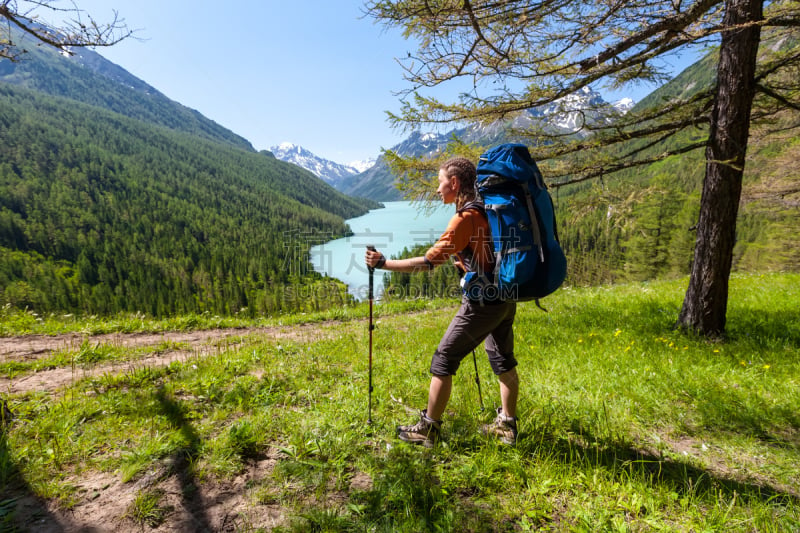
520	55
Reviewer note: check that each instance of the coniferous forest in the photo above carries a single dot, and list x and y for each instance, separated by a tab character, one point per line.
114	198
639	224
100	213
161	211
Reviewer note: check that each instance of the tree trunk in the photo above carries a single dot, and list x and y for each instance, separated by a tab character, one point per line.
706	302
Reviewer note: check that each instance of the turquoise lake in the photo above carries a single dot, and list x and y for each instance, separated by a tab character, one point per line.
390	229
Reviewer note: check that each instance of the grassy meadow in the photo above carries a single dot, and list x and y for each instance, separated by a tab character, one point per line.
625	423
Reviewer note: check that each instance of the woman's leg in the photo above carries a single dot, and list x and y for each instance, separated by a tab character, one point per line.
439	395
509	391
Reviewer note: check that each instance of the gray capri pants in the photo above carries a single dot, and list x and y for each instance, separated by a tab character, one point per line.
472	324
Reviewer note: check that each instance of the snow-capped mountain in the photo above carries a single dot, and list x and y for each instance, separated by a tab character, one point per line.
624	105
377	181
564	116
325	169
568	113
422	144
363	165
573	112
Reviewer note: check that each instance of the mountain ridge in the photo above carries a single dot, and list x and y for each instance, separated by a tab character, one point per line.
329	171
115	199
90	78
564	116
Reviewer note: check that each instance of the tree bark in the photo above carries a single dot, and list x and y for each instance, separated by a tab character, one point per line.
706	301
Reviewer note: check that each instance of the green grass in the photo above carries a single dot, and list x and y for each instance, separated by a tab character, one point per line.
88	354
146	510
16	322
626	424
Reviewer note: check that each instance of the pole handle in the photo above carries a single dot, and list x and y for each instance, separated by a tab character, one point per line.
371	248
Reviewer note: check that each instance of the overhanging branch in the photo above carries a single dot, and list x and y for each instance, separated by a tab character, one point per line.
589	173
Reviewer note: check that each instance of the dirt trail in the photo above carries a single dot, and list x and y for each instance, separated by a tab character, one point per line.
104	501
197	344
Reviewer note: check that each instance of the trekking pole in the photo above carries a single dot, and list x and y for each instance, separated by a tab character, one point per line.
477	379
371	328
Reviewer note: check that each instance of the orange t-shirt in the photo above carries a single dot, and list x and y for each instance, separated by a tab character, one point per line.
468	238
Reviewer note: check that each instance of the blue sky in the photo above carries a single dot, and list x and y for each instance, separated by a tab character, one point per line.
311	72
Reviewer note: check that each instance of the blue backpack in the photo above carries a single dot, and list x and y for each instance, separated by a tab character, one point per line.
529	261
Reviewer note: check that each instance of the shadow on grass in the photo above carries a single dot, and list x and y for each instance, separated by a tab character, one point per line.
651	319
721	408
407	493
406	496
764	325
20	508
182	461
584	448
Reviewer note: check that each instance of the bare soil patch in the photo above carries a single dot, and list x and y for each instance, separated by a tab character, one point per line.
104	502
198	344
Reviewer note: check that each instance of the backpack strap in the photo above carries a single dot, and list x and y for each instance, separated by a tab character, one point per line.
537	234
477	205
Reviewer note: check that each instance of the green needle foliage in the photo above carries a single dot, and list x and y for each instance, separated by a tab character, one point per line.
115	199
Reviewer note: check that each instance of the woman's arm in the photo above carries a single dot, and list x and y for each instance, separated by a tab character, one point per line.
375	259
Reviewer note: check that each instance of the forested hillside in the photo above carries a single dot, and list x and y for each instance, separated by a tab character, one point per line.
89	78
114	198
149	210
640	224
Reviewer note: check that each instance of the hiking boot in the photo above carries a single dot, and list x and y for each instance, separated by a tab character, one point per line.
425	432
504	427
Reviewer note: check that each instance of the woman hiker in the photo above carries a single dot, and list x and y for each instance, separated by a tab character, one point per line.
468	240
